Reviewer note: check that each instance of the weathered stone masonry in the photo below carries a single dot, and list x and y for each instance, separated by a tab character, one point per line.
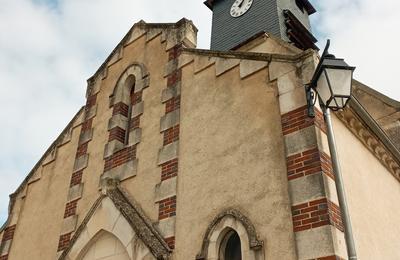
168	155
315	211
76	184
120	158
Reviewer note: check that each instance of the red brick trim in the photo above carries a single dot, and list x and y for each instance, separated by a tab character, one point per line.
309	162
298	119
123	156
117	133
171	135
70	208
170	242
315	214
167	208
63	242
121	109
9	233
172	104
87	125
91	101
169	169
136	97
175	52
135	123
82	150
76	178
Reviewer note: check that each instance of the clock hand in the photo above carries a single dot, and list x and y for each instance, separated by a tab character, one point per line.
241	3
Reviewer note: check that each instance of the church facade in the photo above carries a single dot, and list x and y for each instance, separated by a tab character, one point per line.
182	153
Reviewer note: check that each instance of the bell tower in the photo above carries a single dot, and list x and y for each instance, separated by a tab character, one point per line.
235	21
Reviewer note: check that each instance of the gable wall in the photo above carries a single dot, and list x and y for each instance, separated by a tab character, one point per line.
42	206
372	194
40	226
231	156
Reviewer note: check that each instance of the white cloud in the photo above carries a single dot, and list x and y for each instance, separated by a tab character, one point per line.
365	33
49	48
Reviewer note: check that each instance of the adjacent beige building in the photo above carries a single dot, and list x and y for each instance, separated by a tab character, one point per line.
182	153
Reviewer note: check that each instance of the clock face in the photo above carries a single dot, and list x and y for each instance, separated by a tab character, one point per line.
240	7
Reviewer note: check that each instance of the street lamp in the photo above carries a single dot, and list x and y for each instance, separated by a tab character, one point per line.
332	83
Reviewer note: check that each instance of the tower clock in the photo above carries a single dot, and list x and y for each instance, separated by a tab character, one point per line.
235	21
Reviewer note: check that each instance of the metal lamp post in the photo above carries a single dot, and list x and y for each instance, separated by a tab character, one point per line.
332	83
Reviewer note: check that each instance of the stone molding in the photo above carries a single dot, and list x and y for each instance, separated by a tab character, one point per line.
377	148
133	214
254	243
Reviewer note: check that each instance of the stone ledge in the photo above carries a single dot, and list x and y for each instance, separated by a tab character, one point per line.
185	59
75	192
300	141
81	163
203	62
312	187
86	136
248	67
169	120
168	152
5	247
153	33
321	241
112	147
137	109
222	65
51	157
170	67
167	227
118	120
171	92
142	84
165	189
69	224
135	136
122	172
91	112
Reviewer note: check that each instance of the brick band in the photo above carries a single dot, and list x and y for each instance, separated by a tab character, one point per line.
298	119
309	162
315	214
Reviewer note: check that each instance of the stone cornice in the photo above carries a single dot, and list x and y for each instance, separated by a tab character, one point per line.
368	132
252	55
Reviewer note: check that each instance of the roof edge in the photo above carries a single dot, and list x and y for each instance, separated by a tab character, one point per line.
252	55
374	126
141	24
46	153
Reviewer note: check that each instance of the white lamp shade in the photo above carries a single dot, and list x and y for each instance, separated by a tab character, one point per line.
334	87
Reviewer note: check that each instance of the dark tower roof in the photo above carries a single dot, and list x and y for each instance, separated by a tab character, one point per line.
307	5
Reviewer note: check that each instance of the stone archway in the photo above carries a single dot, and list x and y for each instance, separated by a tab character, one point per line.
222	224
116	225
104	246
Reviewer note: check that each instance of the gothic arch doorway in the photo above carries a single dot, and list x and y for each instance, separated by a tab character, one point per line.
104	246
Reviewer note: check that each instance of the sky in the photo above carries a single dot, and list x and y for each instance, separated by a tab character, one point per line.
48	48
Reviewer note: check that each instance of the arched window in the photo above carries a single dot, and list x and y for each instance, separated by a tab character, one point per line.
230	248
130	84
231	236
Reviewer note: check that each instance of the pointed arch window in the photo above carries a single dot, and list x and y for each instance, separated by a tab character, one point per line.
130	84
230	248
231	236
